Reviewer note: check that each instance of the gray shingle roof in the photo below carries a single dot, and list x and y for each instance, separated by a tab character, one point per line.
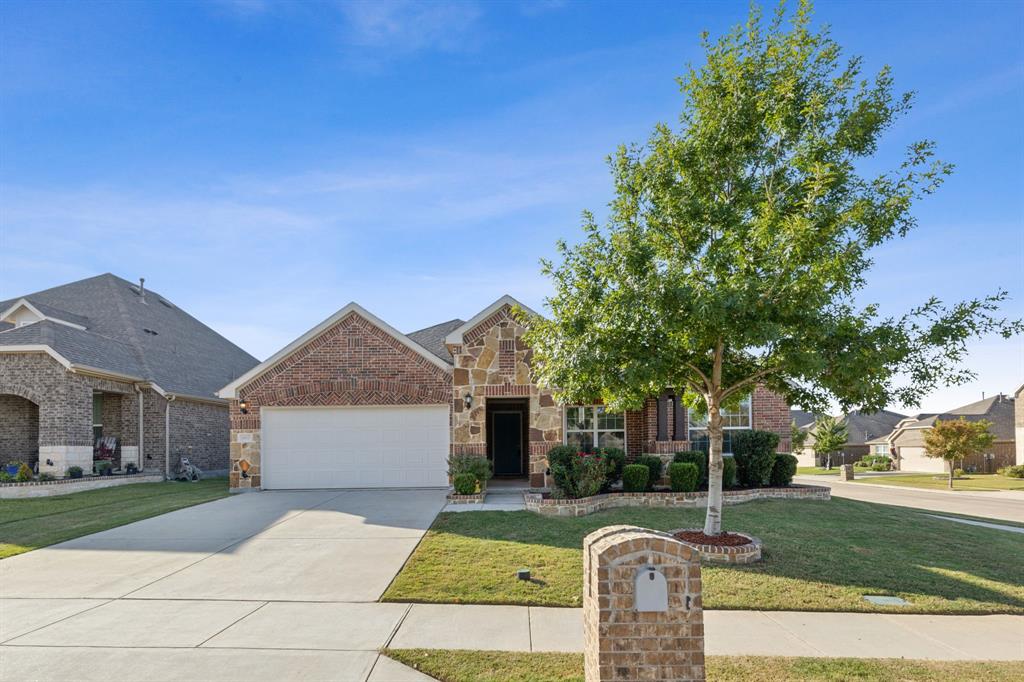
997	409
432	338
182	356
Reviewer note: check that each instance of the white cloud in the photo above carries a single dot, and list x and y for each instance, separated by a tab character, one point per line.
405	26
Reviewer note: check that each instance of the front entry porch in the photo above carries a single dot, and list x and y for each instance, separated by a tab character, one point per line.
508	433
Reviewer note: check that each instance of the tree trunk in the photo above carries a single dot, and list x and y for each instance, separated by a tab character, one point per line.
713	520
951	463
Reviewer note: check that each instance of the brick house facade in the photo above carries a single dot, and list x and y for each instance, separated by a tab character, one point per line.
103	357
479	370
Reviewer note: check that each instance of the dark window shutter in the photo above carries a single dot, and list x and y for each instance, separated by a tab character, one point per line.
680	419
663	416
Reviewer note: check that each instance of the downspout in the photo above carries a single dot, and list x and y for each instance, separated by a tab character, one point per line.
142	438
167	437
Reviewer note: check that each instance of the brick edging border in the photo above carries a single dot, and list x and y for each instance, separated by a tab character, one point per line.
477	498
67	480
536	502
739	554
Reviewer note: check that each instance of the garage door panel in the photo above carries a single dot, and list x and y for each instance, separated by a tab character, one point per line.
355	447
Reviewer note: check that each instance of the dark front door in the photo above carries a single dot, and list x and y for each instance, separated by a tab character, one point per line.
507	443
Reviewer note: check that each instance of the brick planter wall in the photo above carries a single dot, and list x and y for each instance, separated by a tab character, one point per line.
537	503
740	554
477	498
66	486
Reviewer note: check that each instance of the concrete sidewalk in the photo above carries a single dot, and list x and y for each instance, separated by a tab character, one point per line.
729	633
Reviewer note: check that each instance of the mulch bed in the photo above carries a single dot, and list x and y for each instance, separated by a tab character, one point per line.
696	537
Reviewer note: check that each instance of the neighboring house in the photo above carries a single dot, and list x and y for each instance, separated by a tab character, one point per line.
1018	422
863	429
103	357
355	403
908	437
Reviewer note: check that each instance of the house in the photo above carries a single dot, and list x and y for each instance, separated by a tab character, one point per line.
907	437
862	429
1018	423
353	402
105	358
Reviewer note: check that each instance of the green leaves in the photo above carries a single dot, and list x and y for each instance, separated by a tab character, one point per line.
744	235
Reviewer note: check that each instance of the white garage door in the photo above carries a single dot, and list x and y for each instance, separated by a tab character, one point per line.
354	447
912	458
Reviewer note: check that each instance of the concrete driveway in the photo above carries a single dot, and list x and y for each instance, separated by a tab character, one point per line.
240	588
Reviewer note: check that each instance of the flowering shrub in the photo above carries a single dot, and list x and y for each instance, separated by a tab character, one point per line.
578	474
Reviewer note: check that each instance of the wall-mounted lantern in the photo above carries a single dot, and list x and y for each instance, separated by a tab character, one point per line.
243	406
467	400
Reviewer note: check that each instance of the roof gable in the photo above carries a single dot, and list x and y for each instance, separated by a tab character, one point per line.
353	308
457	334
432	338
162	343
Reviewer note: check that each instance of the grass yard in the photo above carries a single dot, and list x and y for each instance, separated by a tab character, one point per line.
37	522
817	471
502	666
819	556
973	482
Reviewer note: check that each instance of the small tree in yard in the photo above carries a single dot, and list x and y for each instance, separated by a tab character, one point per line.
954	440
736	243
830	436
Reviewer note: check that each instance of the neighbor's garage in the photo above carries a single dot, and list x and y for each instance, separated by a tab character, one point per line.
355	447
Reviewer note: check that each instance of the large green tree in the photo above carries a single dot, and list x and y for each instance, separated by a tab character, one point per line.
737	240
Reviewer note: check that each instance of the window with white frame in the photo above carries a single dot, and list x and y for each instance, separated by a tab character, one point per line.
880	449
733	419
593	426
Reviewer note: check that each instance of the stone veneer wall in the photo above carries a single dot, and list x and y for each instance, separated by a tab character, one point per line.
354	362
494	362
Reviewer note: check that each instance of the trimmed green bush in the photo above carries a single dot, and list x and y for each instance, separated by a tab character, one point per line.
75	472
578	474
464	484
698	458
635	477
728	472
783	470
24	473
1016	471
46	476
654	466
683	476
754	452
5	477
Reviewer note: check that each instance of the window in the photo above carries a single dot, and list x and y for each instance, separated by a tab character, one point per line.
97	416
592	426
732	420
881	449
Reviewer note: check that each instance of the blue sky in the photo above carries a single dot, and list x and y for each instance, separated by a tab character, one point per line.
264	163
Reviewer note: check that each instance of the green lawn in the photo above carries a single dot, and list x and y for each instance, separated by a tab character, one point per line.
819	556
37	522
929	481
817	471
502	666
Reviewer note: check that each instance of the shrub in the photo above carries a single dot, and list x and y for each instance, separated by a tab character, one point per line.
958	473
728	472
783	469
683	476
615	459
880	467
47	476
5	477
698	458
635	477
754	452
479	466
654	466
24	473
578	474
1012	471
75	472
131	468
464	483
103	466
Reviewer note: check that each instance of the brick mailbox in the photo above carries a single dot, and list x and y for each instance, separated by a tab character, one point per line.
642	613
